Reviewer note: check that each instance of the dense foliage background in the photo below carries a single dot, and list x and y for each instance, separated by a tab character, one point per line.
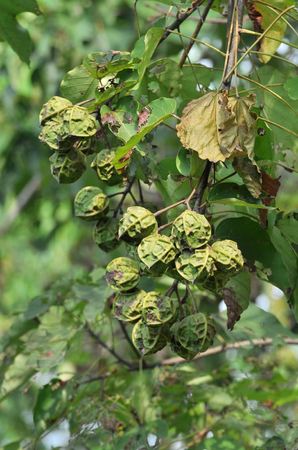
59	386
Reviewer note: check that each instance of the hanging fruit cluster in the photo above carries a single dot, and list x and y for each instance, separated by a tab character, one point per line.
186	255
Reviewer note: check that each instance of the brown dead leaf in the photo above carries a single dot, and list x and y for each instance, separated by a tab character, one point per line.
217	126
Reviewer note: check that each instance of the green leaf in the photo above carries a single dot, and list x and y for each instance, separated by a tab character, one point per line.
189	164
235	195
144	50
159	110
79	84
291	86
10	30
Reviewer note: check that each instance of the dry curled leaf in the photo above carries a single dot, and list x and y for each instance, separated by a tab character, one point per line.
217	126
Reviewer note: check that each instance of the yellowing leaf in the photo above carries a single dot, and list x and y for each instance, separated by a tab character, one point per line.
262	16
217	126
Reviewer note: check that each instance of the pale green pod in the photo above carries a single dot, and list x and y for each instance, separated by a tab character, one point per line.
122	274
147	339
128	307
227	256
136	224
91	203
103	165
177	347
157	252
194	333
195	266
53	107
191	229
79	122
158	309
105	234
67	168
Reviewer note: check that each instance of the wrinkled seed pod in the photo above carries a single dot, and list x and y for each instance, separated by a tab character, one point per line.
53	107
227	255
157	308
91	203
217	281
197	265
79	122
103	165
177	347
156	251
122	274
67	168
53	134
105	234
128	307
191	229
147	339
136	224
195	333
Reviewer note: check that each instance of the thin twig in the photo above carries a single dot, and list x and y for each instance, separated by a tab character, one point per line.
128	339
124	195
109	349
202	186
180	19
195	33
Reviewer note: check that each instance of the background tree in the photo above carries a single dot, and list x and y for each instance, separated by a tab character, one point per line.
77	365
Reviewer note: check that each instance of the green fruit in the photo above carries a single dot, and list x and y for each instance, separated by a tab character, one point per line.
103	165
195	266
194	333
91	203
128	307
105	234
53	107
147	339
157	252
67	168
122	274
157	309
136	224
227	256
191	229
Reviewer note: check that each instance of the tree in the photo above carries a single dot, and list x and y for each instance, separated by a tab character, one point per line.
179	168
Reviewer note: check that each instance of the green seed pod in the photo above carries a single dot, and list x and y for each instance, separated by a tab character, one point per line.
79	122
91	203
177	347
105	234
195	266
136	224
53	134
53	107
227	256
216	282
156	252
103	165
128	307
191	229
67	168
158	309
122	274
147	339
194	333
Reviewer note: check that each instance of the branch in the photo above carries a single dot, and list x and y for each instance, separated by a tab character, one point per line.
21	201
235	19
128	339
124	195
195	33
180	19
202	186
265	342
109	349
